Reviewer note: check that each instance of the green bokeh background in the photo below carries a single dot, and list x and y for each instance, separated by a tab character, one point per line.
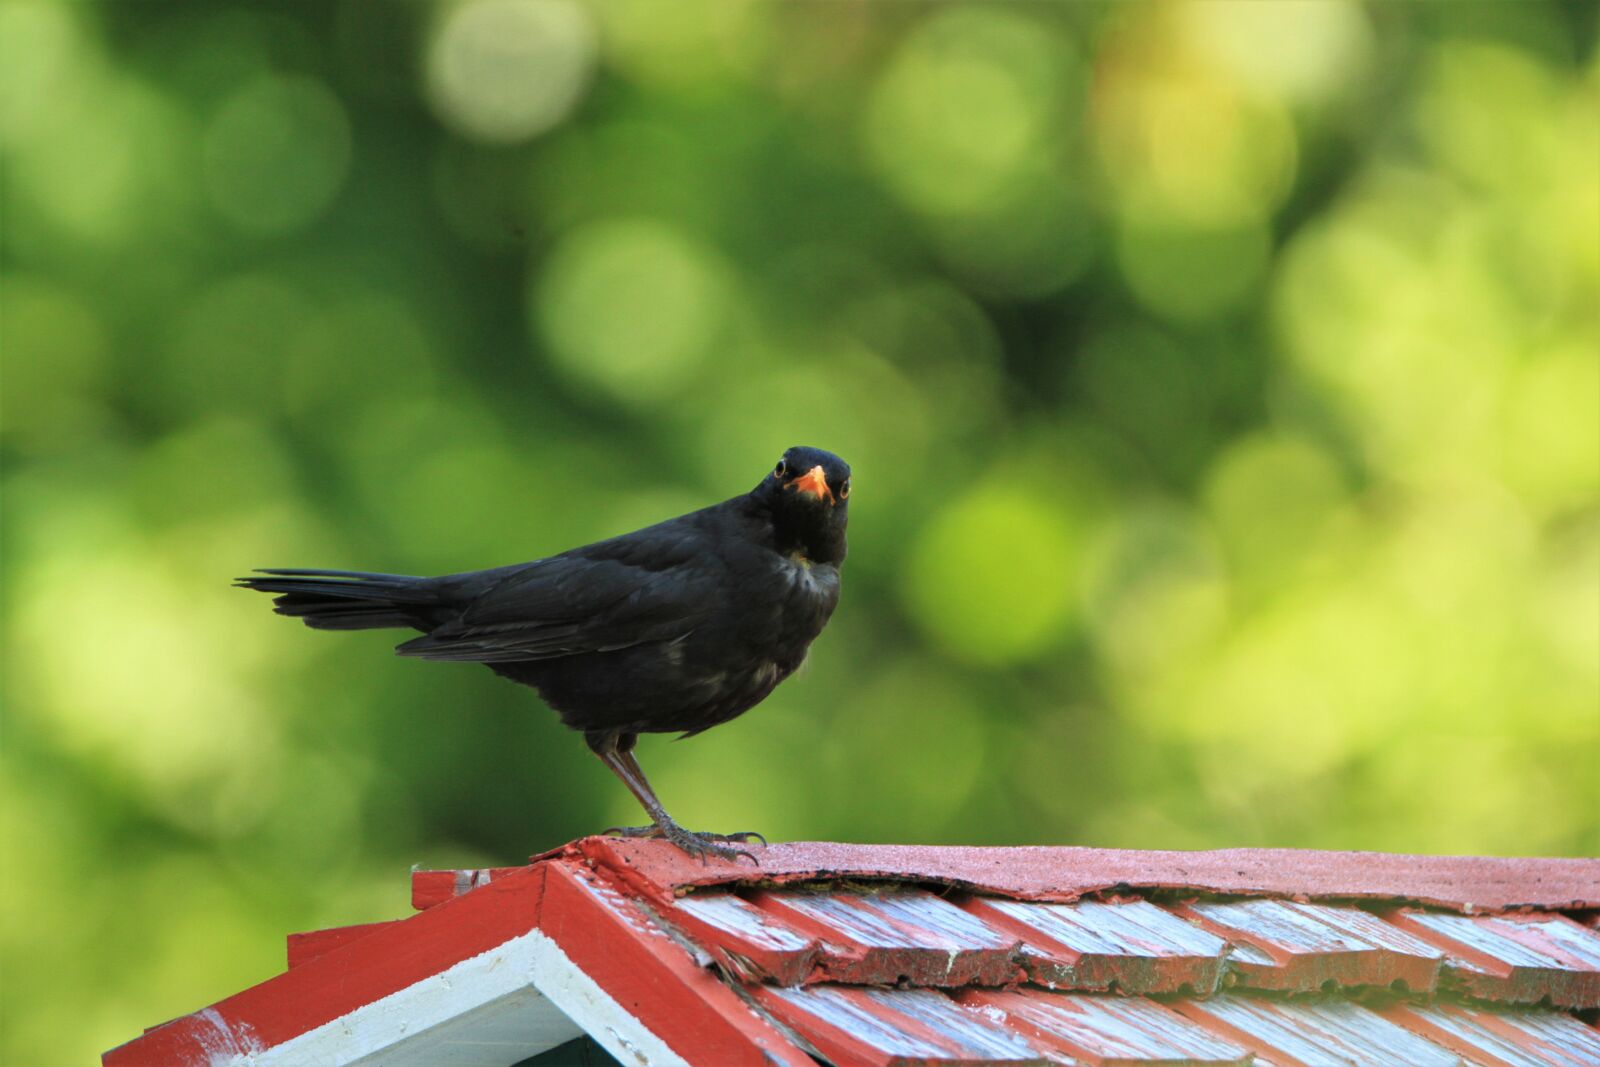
1220	379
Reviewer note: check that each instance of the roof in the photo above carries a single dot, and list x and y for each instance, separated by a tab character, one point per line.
881	955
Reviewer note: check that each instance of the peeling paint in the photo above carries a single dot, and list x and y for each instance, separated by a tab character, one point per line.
1135	928
921	910
896	935
1110	1028
1548	1030
844	1010
1332	1032
227	1045
738	916
1483	1036
1497	937
975	1036
1522	959
1133	946
1298	947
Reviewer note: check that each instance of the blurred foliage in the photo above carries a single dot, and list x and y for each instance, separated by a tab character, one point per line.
1220	380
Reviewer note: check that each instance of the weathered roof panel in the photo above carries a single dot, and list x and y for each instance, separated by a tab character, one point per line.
1522	959
1106	1030
898	935
1323	1031
1132	946
1501	1038
1308	946
748	940
871	1026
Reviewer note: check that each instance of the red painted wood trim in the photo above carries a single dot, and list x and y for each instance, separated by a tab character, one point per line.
653	977
303	948
344	979
429	888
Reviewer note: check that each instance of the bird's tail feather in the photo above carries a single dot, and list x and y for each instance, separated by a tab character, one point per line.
347	600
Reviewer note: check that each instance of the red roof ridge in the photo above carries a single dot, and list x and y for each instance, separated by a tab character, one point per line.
1064	874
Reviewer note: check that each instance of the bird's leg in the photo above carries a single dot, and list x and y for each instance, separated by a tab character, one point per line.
616	752
745	836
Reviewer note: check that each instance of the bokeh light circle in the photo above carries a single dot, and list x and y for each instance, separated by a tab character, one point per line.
963	109
1183	143
688	46
993	576
1301	52
276	154
502	71
1269	499
631	308
1155	590
44	60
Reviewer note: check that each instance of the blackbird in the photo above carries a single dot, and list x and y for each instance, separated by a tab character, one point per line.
676	627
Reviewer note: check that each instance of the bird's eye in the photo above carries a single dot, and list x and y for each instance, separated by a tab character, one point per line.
781	469
844	490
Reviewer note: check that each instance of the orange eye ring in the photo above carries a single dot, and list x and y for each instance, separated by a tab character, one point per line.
844	490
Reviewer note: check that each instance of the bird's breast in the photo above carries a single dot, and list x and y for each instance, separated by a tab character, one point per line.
803	576
773	611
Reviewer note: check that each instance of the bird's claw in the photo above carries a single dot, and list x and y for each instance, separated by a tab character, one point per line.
703	845
699	844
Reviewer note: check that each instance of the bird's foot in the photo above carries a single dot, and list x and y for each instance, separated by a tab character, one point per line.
698	844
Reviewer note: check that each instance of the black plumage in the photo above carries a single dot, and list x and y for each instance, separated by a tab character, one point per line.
674	628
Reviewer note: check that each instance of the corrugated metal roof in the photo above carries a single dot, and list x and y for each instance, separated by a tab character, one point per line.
958	961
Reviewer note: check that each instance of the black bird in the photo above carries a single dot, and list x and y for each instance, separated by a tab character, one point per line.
676	627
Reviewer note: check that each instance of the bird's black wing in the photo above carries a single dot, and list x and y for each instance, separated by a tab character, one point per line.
649	586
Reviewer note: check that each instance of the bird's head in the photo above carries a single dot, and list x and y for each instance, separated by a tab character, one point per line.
808	493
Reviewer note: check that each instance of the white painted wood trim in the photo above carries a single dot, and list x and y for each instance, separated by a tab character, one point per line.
525	989
571	989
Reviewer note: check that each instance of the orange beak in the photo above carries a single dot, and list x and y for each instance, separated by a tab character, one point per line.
814	482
